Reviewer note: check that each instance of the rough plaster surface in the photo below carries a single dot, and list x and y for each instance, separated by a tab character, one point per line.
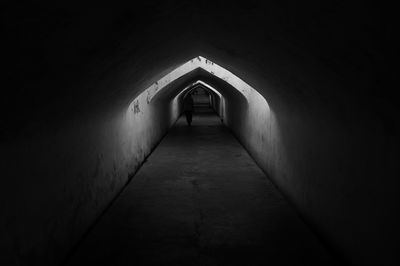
329	141
70	176
200	199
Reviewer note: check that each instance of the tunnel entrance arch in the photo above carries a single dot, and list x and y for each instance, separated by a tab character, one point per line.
217	101
201	96
236	95
208	66
204	85
241	108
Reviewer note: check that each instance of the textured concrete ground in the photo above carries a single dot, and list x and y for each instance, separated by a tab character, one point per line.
200	199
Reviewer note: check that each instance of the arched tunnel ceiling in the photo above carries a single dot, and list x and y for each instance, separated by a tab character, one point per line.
183	92
201	68
330	140
175	87
63	61
196	86
203	85
208	89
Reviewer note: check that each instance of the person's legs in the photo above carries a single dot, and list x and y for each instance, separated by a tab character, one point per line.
190	118
187	117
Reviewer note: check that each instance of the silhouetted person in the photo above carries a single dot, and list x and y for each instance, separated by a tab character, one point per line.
188	108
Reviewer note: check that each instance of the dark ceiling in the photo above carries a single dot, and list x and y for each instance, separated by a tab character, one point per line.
61	60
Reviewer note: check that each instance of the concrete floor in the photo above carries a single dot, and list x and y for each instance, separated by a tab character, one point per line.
200	199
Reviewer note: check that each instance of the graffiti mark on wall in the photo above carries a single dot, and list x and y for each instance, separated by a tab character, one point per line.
136	108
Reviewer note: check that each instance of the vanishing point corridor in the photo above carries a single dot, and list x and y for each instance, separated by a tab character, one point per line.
291	159
200	199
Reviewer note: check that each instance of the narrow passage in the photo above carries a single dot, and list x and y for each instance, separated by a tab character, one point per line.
200	199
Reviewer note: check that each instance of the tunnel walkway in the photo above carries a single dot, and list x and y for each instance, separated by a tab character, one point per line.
200	199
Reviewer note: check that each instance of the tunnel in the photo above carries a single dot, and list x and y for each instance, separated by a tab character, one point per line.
291	158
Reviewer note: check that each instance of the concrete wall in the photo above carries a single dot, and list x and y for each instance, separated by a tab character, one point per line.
327	168
311	156
322	169
329	140
92	159
60	181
